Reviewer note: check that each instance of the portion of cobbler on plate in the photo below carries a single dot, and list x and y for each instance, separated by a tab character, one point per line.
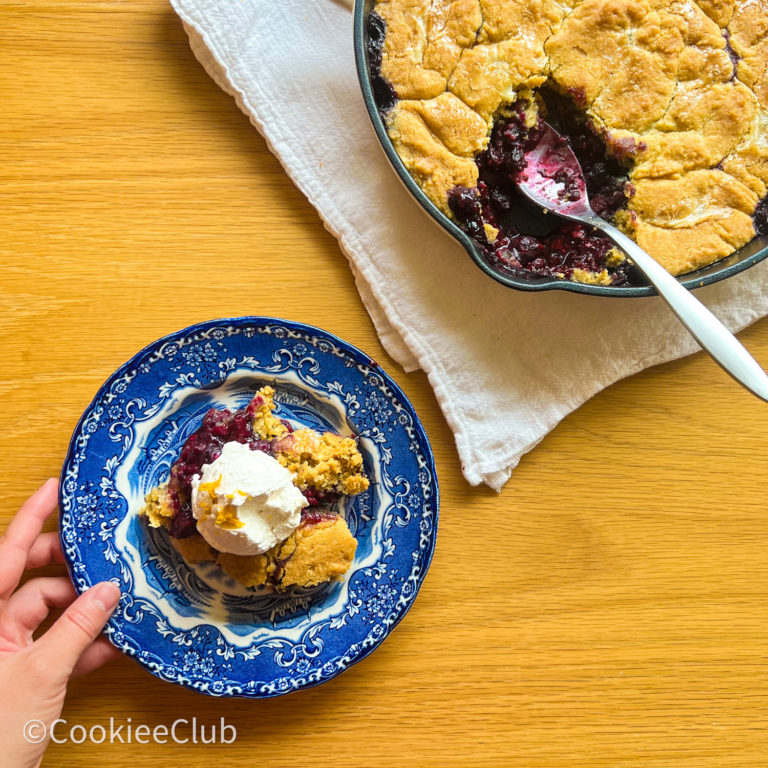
253	495
665	103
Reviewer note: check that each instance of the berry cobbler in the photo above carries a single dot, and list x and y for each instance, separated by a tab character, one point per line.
253	495
664	102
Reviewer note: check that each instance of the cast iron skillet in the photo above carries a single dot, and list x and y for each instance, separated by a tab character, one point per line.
738	261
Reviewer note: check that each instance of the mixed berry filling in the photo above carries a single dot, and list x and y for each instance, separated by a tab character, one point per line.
569	179
760	217
204	446
527	240
313	515
732	55
383	93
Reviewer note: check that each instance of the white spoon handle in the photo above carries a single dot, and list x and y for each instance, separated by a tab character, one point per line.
713	336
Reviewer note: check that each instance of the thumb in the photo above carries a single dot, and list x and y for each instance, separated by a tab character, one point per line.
75	630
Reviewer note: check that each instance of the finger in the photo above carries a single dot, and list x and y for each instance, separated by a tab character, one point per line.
99	653
21	534
30	605
45	550
63	644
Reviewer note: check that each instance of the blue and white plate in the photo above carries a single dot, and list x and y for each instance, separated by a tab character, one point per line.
195	626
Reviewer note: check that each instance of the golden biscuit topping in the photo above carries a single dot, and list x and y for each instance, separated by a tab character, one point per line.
314	553
327	462
158	507
265	424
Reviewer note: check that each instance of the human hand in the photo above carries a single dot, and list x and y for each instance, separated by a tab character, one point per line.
34	673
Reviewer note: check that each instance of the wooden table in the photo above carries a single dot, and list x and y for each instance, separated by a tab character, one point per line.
620	614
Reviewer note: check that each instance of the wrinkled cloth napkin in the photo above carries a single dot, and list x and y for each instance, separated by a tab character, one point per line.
506	366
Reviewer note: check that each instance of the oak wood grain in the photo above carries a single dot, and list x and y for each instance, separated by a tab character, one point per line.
607	609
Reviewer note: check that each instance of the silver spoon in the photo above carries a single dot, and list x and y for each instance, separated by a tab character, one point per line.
553	179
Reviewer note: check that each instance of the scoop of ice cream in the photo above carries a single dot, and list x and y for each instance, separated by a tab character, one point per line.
245	502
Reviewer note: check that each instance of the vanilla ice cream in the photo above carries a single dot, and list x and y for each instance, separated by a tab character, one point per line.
245	501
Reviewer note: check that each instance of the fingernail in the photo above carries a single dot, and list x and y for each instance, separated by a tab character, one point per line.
105	595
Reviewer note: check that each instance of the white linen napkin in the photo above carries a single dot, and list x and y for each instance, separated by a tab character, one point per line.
506	366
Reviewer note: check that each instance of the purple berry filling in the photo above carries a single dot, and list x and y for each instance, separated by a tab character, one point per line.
571	190
313	516
732	55
760	217
526	244
383	93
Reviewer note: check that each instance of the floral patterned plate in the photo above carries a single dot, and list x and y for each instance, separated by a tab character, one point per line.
195	626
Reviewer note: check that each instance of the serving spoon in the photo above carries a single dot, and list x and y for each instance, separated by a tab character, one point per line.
553	179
